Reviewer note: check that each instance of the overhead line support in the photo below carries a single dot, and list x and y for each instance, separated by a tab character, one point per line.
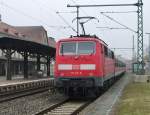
139	4
140	60
77	21
104	5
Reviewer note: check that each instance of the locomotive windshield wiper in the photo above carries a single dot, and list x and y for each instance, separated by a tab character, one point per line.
92	52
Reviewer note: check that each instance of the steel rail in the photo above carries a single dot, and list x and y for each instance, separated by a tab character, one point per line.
15	95
51	108
67	107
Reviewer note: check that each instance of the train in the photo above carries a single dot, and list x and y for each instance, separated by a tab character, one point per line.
85	64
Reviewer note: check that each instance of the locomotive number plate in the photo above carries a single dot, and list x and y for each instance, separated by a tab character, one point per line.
75	67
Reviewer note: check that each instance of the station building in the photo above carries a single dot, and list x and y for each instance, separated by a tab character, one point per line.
32	33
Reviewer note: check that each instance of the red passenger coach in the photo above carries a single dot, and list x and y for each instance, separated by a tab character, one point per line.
85	63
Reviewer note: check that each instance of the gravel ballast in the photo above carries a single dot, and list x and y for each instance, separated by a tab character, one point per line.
30	105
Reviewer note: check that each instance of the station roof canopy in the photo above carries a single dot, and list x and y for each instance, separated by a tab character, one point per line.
32	39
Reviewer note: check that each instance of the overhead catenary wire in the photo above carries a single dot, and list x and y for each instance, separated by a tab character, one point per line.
66	21
43	2
63	19
23	13
48	11
82	10
119	12
37	3
122	48
112	19
68	12
58	27
26	15
111	28
54	27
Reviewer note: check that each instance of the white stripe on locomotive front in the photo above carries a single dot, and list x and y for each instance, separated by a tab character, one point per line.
87	67
82	67
65	67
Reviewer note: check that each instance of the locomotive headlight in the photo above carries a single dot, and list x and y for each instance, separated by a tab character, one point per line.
87	67
65	67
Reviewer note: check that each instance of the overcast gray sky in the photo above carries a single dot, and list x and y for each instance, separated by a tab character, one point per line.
43	12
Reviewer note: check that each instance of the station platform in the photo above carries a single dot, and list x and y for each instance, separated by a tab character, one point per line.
20	79
18	84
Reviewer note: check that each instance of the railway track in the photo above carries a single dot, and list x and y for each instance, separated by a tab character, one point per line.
15	95
67	107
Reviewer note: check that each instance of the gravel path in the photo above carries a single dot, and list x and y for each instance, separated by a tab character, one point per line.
104	104
29	105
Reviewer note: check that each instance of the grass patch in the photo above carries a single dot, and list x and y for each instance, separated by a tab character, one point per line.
135	100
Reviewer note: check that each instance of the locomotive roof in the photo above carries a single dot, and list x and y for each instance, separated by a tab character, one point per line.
84	38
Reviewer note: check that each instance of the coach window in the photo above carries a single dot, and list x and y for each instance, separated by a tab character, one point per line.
112	55
117	63
106	51
109	53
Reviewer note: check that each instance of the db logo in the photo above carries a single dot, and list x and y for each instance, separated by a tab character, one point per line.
75	67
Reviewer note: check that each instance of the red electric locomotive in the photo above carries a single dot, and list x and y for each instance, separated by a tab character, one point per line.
85	64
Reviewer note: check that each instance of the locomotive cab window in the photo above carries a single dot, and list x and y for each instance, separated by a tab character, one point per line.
86	48
68	48
77	48
106	51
